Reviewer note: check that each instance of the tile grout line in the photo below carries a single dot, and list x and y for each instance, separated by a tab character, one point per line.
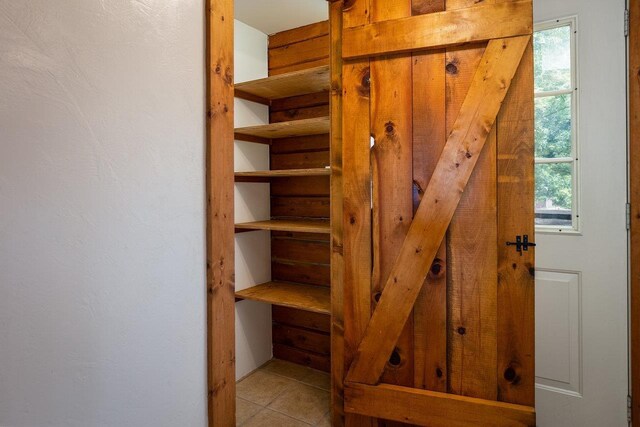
264	370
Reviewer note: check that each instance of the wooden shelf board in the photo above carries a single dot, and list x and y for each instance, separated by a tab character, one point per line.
315	126
265	176
294	295
301	82
294	225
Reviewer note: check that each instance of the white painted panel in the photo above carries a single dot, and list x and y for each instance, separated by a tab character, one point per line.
558	330
599	252
251	202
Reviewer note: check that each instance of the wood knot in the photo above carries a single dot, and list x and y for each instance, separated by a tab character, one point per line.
348	4
451	68
436	267
389	128
439	373
376	296
395	358
352	220
364	87
218	69
228	76
511	375
462	330
467	155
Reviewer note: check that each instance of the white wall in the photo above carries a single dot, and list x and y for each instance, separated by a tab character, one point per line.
253	250
102	278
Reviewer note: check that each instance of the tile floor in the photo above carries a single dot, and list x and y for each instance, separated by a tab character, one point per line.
283	394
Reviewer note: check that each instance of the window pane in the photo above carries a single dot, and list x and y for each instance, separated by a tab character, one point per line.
552	59
553	126
554	194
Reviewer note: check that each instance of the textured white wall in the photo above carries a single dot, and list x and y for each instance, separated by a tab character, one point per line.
102	279
253	250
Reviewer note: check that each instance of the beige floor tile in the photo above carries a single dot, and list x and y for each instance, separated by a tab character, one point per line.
318	379
268	418
262	387
302	402
287	369
245	410
325	421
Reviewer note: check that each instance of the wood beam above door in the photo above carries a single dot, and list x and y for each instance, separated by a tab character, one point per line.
437	30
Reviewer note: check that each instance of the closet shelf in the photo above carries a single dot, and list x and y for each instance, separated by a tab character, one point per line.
265	176
301	82
293	225
262	133
295	295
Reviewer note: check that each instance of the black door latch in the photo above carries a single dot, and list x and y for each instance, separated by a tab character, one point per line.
522	243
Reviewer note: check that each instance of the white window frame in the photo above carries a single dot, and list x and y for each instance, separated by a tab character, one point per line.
570	21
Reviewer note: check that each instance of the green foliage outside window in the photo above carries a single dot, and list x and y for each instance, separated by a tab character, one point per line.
553	127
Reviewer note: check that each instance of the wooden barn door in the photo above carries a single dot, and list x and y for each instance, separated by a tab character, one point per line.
437	173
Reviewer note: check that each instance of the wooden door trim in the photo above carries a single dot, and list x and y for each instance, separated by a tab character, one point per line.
337	262
437	207
634	200
220	221
432	408
439	29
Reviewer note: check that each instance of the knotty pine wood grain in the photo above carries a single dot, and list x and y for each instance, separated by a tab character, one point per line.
438	30
336	257
429	137
300	272
464	144
295	295
433	409
303	339
391	159
220	233
472	253
356	172
300	318
297	83
516	281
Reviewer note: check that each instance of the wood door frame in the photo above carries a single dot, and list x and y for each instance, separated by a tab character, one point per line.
221	384
634	200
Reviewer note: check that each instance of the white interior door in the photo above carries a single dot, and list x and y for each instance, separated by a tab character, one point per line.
581	277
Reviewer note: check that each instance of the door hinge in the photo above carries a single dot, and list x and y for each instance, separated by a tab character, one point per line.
629	408
626	22
628	216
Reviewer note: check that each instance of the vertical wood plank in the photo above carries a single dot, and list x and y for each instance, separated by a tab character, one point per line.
516	285
634	159
429	138
220	230
472	255
337	263
356	175
392	129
